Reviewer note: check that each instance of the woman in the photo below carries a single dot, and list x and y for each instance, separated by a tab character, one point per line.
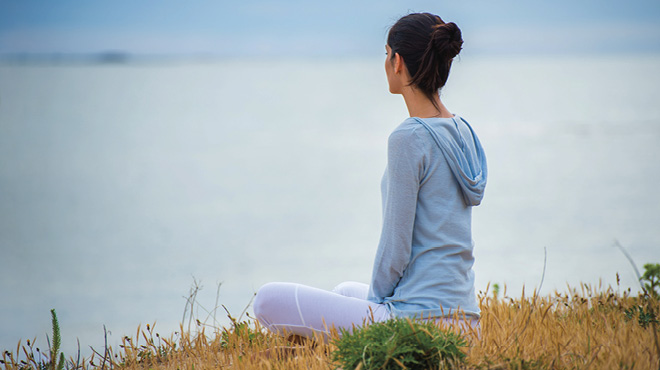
436	172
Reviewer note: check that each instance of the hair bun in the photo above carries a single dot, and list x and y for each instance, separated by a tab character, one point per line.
447	40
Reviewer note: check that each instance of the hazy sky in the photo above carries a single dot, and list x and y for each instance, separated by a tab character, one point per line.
338	27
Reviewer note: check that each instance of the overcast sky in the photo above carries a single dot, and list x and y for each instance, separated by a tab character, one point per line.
321	28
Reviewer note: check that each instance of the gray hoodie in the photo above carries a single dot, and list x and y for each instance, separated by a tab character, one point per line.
436	171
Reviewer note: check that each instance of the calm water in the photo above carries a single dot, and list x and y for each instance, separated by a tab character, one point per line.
118	184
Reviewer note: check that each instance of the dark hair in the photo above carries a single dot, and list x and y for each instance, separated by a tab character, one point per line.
427	45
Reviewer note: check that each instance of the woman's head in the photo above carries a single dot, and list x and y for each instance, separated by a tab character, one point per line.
427	46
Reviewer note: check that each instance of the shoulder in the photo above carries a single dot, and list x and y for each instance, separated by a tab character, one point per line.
406	134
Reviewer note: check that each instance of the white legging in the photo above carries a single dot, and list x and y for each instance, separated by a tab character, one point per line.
289	308
310	312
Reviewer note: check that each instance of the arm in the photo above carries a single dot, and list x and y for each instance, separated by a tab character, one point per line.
402	179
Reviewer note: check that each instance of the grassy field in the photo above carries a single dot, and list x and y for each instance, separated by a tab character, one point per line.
582	328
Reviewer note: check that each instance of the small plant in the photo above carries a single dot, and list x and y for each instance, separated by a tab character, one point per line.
399	344
645	316
645	312
35	358
57	341
651	279
240	332
496	290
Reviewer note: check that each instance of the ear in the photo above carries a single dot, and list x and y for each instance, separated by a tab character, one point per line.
398	63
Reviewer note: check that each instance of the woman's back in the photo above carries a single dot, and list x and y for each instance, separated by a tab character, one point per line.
436	172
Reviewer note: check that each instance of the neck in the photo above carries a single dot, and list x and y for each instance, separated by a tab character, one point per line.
419	105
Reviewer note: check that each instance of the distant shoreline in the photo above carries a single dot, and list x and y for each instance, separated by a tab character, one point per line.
122	58
109	57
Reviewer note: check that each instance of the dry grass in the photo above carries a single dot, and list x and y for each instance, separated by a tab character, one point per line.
578	329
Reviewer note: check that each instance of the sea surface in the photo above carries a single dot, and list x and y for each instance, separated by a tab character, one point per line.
122	184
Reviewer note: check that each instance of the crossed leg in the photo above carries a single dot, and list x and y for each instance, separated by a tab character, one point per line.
296	309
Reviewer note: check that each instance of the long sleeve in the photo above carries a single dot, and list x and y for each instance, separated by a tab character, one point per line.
405	167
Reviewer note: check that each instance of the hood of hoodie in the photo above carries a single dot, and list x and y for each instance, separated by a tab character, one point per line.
464	154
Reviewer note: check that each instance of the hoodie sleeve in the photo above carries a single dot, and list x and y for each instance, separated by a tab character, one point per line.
401	185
